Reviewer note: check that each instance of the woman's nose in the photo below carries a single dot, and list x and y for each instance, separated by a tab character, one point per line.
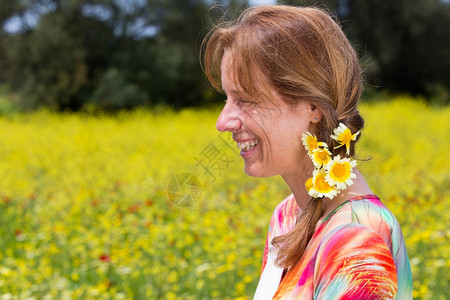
228	120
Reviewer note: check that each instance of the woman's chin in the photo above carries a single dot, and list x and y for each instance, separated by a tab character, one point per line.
255	171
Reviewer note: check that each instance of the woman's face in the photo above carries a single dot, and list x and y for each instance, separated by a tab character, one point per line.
267	132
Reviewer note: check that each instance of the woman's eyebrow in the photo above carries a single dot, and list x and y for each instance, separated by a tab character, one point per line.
232	91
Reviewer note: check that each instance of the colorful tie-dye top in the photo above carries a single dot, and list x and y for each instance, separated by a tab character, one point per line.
357	252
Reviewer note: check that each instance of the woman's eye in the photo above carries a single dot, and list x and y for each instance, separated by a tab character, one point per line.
245	102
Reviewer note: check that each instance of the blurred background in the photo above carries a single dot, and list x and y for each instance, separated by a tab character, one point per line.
115	184
67	54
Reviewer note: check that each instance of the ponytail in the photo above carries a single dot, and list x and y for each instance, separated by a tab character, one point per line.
292	245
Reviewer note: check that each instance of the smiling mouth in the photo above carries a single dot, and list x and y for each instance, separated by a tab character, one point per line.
248	145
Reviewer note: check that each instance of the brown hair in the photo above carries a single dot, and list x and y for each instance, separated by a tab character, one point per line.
304	56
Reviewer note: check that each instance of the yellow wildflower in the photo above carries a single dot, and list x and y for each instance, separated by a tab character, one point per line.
344	136
310	142
339	172
321	156
321	188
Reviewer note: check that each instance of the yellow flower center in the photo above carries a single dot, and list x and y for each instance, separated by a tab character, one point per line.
341	170
322	155
321	185
309	184
346	136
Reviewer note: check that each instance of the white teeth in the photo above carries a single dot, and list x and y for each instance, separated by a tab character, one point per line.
245	146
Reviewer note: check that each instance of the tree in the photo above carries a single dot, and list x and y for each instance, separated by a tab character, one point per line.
405	43
114	53
60	60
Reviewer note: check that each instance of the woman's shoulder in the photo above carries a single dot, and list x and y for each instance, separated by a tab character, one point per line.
371	221
284	216
369	211
353	255
366	210
287	206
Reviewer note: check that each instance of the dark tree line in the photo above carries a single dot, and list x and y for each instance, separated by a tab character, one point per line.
111	53
125	53
404	45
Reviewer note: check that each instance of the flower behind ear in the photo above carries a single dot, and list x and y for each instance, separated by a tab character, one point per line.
339	172
344	136
332	174
310	142
321	188
321	156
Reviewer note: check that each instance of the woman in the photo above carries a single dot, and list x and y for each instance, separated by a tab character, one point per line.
293	83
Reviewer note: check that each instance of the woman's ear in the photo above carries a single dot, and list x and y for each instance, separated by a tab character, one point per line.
316	114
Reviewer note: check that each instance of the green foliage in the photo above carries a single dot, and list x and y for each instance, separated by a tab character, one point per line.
49	64
107	53
7	107
403	45
122	54
114	92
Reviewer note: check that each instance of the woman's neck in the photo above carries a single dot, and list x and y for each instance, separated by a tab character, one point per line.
297	187
296	184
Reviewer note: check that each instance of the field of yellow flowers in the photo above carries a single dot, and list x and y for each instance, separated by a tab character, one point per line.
155	205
